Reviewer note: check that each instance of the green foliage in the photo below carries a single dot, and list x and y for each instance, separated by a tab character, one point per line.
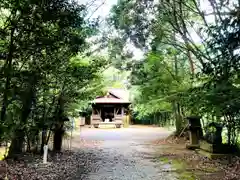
178	72
157	84
43	74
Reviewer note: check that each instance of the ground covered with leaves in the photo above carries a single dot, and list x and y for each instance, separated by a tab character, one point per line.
60	166
191	165
85	162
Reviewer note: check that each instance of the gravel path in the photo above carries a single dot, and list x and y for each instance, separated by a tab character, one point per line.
120	154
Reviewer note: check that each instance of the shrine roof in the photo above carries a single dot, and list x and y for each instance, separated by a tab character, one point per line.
111	98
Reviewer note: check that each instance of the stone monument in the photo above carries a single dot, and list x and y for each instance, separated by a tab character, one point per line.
195	132
211	145
212	141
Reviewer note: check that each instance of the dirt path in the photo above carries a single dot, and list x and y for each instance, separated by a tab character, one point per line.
121	154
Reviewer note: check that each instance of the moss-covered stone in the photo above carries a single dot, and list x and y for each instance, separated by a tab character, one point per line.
180	167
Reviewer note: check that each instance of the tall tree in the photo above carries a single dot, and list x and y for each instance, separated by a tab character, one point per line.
41	38
208	39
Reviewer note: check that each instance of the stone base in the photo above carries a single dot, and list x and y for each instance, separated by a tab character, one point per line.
212	155
216	148
212	148
192	146
107	125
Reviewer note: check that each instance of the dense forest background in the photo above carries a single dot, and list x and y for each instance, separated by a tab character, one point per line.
55	57
190	62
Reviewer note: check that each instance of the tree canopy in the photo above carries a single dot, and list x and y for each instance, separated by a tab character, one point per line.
44	72
191	61
50	71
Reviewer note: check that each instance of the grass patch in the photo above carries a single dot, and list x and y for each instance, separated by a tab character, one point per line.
210	169
179	165
187	176
164	160
186	164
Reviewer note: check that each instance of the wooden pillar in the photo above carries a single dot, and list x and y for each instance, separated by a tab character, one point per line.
92	115
100	114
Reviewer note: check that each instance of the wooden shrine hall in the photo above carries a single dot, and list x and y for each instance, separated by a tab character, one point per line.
110	109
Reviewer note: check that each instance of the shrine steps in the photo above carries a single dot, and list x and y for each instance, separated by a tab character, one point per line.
107	125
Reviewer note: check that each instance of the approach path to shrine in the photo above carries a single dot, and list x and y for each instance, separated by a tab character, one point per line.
120	154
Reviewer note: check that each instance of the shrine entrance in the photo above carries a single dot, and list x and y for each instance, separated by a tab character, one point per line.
107	114
109	110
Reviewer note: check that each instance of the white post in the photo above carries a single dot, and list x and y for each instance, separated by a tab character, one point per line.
45	152
71	140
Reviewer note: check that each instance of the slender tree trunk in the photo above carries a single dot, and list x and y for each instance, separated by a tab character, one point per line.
7	74
45	138
58	130
178	119
176	104
229	129
28	143
191	63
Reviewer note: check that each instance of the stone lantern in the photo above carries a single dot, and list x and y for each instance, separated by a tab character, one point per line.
195	132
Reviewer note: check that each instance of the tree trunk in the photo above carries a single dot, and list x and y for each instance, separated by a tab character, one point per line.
59	117
28	144
191	62
7	74
27	99
178	119
57	140
16	144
